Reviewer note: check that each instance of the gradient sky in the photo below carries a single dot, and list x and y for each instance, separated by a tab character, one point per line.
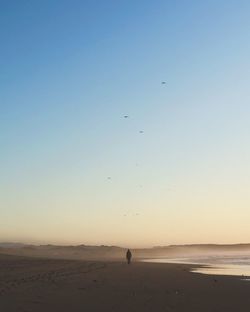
70	71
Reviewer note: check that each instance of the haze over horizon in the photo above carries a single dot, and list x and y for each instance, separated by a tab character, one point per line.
96	149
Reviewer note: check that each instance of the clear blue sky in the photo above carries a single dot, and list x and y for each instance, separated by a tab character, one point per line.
70	71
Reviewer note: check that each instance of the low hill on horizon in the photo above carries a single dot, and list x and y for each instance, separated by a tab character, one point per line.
86	252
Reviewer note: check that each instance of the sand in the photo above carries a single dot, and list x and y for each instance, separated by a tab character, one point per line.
32	285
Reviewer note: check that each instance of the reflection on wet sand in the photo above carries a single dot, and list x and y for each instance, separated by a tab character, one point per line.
236	266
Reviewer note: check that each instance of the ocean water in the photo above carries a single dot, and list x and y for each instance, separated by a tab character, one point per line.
215	265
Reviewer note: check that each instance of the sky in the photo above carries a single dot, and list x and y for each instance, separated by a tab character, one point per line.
73	170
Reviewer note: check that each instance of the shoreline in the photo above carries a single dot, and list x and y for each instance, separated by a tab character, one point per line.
212	268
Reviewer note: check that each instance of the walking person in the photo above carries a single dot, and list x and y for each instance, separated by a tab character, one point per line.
129	256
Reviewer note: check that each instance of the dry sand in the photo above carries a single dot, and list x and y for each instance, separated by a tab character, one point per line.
32	285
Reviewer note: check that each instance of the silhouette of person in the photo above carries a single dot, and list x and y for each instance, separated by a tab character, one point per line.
129	256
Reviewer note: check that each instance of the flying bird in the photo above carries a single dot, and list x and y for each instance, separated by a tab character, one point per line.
125	116
163	82
141	131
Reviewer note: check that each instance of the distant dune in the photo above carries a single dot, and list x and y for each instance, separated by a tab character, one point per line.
84	252
12	245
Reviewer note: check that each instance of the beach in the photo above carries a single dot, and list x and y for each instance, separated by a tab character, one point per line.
36	285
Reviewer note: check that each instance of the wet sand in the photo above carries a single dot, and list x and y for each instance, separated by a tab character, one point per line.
39	285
